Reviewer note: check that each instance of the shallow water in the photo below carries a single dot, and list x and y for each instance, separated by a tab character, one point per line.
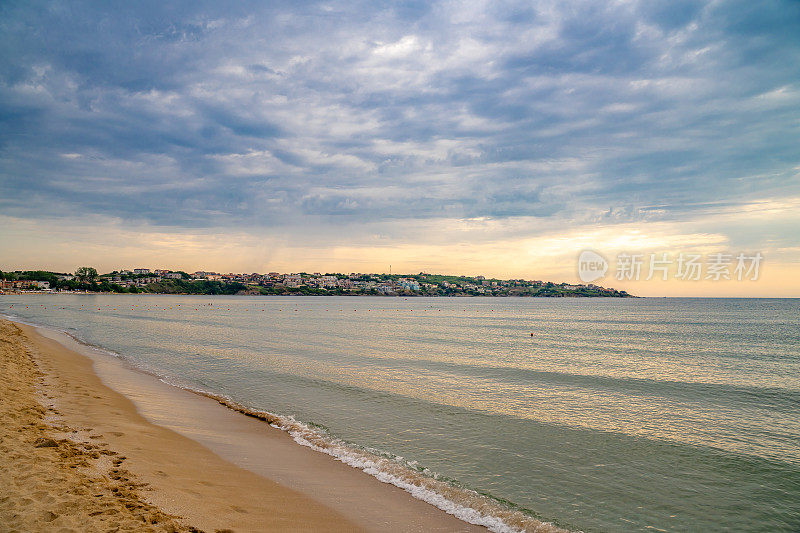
598	414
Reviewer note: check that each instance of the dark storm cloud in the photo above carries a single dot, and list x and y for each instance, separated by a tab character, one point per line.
197	114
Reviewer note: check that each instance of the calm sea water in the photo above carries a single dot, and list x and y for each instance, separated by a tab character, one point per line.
597	414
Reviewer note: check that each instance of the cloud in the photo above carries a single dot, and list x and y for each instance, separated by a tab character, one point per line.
299	117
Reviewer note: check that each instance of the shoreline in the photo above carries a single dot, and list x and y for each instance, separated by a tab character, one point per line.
164	472
328	489
48	482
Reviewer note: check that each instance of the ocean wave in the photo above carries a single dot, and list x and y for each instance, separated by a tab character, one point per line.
465	504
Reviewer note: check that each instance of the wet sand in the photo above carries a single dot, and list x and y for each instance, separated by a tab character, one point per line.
177	460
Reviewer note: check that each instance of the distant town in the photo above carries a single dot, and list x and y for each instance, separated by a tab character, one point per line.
160	281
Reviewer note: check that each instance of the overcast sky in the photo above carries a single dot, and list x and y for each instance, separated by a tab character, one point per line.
465	137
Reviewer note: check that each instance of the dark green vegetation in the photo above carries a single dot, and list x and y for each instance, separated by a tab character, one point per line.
62	281
180	286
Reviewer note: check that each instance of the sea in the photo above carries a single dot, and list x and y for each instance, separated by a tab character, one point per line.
608	414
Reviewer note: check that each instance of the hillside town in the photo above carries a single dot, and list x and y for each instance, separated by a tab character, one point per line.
161	281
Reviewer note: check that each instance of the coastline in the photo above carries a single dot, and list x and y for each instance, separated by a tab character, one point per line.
165	434
163	472
48	482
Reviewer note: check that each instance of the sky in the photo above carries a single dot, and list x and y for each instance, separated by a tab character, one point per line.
494	138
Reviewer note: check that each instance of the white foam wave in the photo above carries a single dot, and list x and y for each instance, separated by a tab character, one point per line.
464	504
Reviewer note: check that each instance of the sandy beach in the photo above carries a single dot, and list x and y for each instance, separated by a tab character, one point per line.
80	456
51	483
